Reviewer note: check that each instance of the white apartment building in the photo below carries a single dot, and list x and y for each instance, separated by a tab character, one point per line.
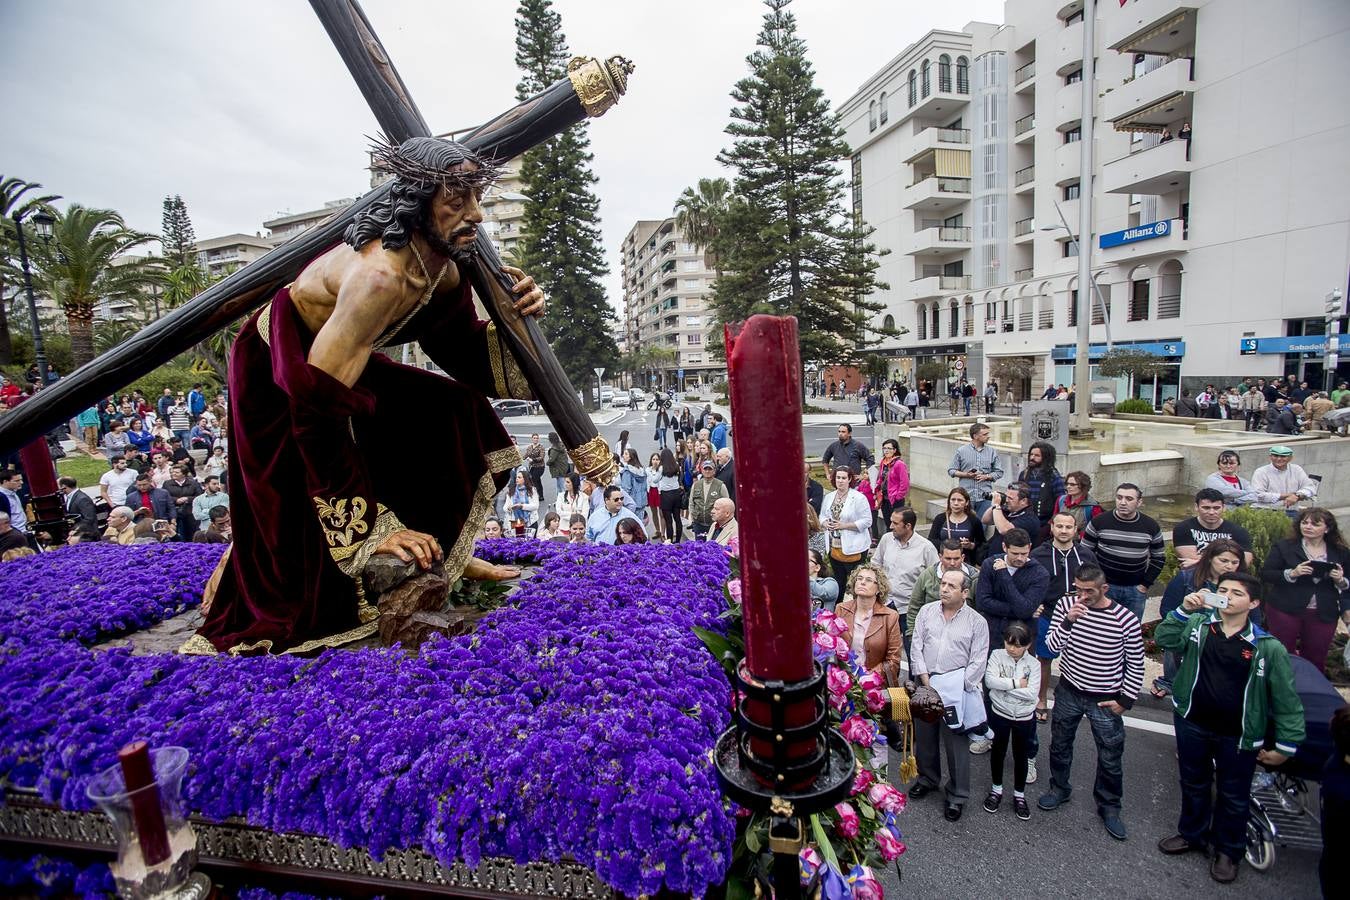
222	255
1215	252
667	288
288	225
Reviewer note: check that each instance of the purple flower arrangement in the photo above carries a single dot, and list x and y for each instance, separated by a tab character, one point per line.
576	722
92	592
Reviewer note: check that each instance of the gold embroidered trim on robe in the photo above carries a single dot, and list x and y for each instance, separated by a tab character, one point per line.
508	380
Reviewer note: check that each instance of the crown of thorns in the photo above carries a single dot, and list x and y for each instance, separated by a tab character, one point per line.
426	161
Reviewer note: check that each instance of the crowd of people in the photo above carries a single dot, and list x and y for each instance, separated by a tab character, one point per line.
1027	570
1277	406
166	478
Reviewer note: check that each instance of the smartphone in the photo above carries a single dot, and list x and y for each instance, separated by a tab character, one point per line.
1213	600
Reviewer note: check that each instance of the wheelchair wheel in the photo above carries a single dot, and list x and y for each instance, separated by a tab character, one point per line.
1260	847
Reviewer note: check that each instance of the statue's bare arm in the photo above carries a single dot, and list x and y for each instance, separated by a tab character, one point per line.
367	299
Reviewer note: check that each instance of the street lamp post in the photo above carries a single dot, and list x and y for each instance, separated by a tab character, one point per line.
42	222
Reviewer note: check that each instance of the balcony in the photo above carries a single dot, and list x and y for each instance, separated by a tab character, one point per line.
1024	79
1068	104
1024	180
1024	230
934	138
940	241
930	286
1068	161
1163	169
1022	275
1024	129
1160	98
1069	50
1170	242
934	193
938	104
1151	26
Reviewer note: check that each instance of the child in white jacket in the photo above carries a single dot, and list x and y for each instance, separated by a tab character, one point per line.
1013	679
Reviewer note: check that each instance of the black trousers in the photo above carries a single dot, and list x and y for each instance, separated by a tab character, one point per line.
670	514
1019	734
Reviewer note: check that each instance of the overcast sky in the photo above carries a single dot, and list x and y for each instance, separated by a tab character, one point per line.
245	109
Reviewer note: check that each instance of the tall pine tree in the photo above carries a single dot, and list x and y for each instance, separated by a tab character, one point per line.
785	243
560	245
178	240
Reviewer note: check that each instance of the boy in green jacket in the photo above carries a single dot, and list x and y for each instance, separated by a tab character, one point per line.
1233	682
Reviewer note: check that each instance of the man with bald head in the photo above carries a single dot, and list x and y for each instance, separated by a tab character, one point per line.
725	528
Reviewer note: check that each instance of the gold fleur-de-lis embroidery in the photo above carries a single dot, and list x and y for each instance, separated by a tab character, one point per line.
341	525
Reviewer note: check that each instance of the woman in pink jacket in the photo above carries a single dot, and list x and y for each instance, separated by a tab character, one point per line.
892	484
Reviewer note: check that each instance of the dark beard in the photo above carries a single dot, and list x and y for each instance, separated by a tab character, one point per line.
460	255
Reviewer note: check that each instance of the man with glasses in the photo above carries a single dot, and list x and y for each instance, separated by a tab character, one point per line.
1129	548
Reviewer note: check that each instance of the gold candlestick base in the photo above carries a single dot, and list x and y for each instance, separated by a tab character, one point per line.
595	461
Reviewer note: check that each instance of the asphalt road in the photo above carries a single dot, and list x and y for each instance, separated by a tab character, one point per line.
1067	852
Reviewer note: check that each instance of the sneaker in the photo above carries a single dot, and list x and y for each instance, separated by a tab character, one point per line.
982	745
1031	771
1052	799
1020	807
991	803
1115	827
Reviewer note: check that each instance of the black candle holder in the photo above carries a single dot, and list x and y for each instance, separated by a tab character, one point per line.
784	786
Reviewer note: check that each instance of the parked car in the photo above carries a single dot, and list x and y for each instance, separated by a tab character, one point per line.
507	408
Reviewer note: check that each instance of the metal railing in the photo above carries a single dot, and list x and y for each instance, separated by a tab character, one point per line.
1169	306
953	135
947	185
953	233
1022	275
1023	226
1025	73
1023	176
954	282
1024	124
928	271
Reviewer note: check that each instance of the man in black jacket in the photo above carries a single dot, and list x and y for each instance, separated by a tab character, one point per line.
183	488
726	472
146	496
81	506
847	452
815	491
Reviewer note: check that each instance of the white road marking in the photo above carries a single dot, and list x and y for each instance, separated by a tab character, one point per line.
1149	725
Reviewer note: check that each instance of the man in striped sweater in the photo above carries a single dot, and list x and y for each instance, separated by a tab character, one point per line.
1101	670
1129	548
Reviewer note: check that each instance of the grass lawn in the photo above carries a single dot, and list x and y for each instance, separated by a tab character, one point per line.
84	469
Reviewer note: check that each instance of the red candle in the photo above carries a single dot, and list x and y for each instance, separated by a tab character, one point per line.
763	368
146	811
38	470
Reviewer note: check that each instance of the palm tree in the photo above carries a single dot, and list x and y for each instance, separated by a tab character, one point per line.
12	202
76	268
699	215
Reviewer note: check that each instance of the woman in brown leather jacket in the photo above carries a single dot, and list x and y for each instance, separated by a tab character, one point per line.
875	633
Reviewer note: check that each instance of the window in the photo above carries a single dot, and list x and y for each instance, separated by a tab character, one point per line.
1074	77
692	321
954	323
969	323
962	75
1138	311
923	323
1073	309
691	284
691	265
694	339
1169	295
1073	135
1047	312
936	323
872	116
1070	249
945	73
1074	19
883	104
1099	316
1071	191
693	360
925	78
888	323
913	88
857	188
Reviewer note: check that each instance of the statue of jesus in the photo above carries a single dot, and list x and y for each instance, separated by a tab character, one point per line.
338	453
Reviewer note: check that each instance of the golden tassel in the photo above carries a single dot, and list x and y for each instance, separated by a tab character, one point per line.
909	765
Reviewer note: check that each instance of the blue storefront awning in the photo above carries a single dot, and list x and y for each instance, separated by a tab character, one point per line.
1312	343
1169	349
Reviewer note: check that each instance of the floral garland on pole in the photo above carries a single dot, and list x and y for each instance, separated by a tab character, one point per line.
851	842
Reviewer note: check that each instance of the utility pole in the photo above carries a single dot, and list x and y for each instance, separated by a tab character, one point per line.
1335	308
1081	422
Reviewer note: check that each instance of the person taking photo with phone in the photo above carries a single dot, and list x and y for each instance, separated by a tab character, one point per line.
1309	590
1234	682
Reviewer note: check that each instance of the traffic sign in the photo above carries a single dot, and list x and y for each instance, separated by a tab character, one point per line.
599	372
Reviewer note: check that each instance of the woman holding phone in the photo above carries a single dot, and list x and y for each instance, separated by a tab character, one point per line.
1309	590
1220	557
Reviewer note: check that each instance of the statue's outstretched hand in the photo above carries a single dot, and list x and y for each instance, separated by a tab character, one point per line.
409	546
531	296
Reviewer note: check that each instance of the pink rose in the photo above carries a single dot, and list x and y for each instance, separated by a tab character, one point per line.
848	821
890	846
886	798
859	731
863	884
734	588
823	642
842	649
863	780
872	681
833	624
876	700
837	681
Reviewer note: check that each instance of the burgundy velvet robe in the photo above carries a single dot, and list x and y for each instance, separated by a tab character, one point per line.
320	474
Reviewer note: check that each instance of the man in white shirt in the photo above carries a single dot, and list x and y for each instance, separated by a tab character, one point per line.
115	483
902	555
1282	483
